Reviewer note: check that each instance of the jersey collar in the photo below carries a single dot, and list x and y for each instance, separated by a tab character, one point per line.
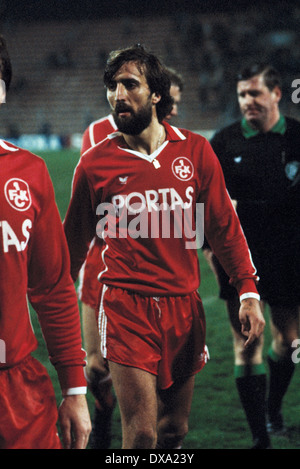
173	134
279	128
6	147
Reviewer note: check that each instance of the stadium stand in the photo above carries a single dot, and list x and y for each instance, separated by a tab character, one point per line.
57	85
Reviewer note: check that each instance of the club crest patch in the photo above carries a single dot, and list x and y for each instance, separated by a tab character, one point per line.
292	170
183	168
17	194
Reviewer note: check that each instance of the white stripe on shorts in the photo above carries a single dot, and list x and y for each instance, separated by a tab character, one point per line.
102	324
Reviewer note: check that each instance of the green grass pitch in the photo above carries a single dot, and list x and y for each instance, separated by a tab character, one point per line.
217	420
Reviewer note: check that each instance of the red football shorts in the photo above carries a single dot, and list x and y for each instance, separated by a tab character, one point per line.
28	411
164	336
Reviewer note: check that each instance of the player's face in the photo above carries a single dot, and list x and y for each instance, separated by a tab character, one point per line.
257	103
131	101
176	95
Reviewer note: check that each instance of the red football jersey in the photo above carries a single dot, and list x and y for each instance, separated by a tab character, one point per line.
141	191
97	131
89	286
35	265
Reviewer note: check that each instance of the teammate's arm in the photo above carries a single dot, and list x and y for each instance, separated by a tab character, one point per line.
80	221
52	295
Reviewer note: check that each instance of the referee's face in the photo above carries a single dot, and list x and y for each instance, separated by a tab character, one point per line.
258	104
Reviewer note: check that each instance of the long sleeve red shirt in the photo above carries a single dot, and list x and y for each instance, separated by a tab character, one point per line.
182	172
35	266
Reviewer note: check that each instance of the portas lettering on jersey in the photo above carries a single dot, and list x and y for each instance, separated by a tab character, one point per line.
164	199
155	214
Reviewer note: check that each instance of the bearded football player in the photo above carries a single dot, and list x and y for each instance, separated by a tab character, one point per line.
89	291
151	317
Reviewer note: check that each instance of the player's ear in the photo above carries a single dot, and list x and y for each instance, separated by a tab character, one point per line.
156	98
277	93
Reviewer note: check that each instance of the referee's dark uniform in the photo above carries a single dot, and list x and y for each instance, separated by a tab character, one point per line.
262	172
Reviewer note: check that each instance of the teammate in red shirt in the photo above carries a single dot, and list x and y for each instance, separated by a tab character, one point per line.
151	318
97	372
35	266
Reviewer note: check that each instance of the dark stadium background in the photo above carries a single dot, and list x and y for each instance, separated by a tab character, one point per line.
58	50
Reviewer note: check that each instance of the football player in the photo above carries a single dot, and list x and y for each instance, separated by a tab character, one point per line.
97	373
35	266
151	317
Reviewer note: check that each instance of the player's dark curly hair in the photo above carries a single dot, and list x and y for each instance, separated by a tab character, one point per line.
5	64
156	75
271	76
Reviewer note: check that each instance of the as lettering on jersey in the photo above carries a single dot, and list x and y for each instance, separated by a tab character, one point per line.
10	239
17	194
154	214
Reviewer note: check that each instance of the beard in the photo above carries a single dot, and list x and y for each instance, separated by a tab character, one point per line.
136	122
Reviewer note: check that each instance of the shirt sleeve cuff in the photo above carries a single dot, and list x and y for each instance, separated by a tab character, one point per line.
244	296
246	286
74	391
71	377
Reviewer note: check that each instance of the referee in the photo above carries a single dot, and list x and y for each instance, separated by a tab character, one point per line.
260	159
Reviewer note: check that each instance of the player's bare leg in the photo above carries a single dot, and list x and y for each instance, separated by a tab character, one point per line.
99	381
285	329
136	394
173	413
250	378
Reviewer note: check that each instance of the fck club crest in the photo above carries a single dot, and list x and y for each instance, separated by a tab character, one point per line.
183	168
17	194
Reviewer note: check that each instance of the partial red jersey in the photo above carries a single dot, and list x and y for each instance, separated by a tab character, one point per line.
97	131
35	265
89	285
140	198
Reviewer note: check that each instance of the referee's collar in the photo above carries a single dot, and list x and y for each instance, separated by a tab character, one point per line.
279	128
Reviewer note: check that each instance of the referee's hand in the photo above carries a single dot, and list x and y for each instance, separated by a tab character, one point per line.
252	320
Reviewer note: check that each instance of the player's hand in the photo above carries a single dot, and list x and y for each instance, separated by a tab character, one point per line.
234	203
252	320
75	423
99	378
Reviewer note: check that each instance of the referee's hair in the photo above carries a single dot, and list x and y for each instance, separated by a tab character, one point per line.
271	76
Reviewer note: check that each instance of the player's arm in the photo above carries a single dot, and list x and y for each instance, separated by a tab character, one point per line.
80	221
